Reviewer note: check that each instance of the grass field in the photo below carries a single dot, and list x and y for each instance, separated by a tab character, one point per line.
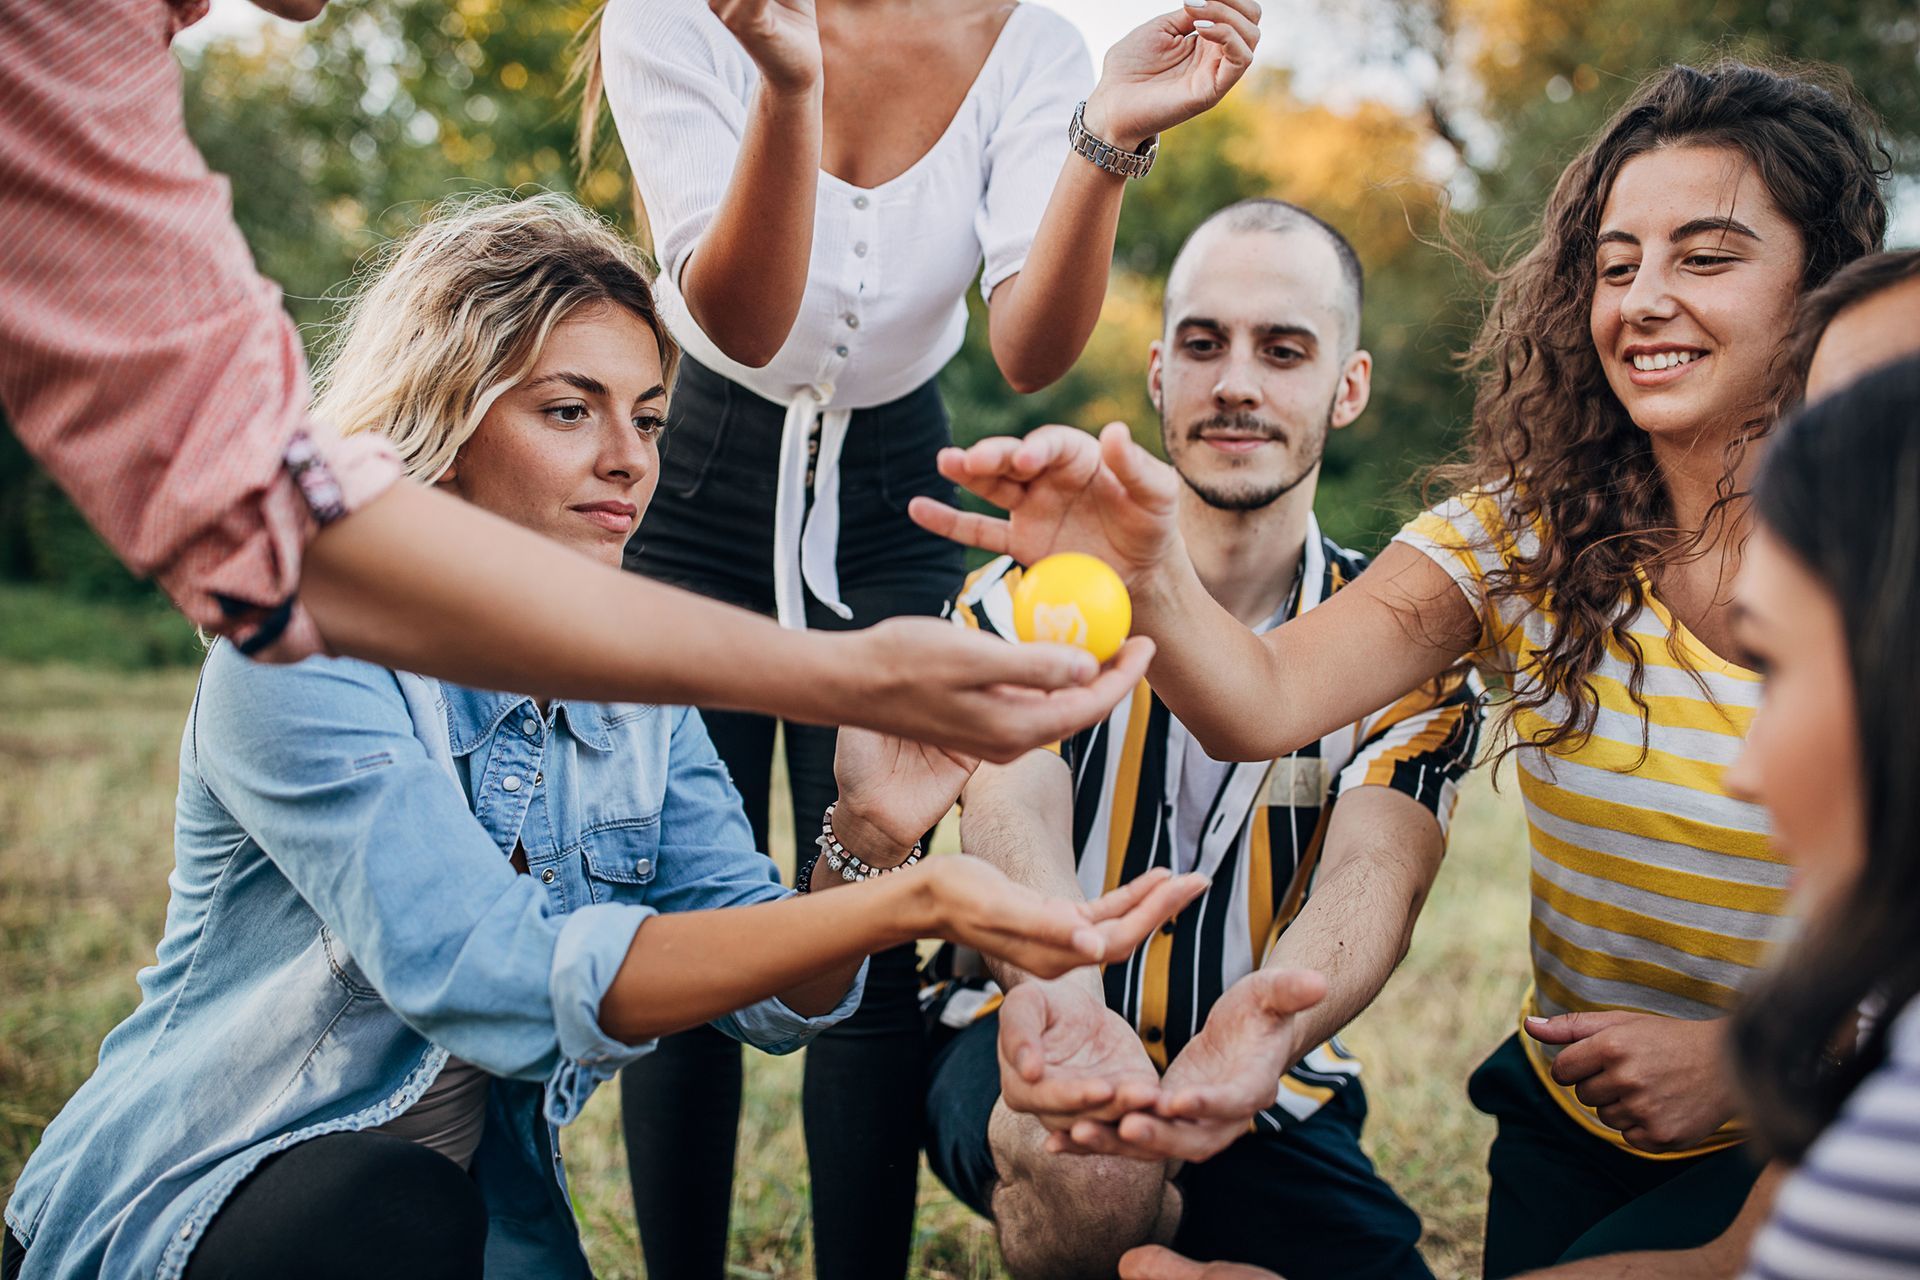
87	771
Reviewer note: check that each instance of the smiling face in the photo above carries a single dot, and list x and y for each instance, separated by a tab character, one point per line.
1697	272
573	450
1257	363
1802	754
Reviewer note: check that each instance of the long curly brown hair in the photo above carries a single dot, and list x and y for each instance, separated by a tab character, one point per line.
1550	440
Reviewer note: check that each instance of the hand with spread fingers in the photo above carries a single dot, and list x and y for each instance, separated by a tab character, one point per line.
1172	68
1662	1082
1064	490
1066	1057
1155	1262
781	36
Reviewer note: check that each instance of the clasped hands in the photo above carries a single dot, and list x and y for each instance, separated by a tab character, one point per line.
1079	1068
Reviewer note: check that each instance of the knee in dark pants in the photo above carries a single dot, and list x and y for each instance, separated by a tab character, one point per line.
367	1205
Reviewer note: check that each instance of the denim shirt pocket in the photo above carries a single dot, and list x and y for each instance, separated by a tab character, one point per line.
341	963
621	858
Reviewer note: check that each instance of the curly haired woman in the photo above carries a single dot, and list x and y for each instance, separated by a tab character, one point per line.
1625	369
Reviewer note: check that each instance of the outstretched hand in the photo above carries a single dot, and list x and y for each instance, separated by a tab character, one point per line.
898	786
932	681
1066	1057
976	905
1220	1080
1063	490
1172	68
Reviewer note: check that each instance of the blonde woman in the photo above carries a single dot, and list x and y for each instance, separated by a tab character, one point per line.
414	925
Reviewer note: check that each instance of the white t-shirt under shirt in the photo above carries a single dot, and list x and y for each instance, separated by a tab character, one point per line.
885	305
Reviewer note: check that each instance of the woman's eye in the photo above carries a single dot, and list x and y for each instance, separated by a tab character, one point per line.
1707	260
1617	271
571	414
650	426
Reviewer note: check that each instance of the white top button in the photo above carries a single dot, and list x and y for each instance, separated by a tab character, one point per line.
853	321
861	202
529	726
860	249
841	351
510	782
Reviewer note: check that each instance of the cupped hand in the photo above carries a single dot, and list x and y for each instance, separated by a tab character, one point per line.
897	786
977	695
1064	490
1223	1076
781	36
1172	68
1156	1262
1664	1083
1066	1057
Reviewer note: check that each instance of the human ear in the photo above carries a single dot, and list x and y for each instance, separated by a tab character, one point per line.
1356	388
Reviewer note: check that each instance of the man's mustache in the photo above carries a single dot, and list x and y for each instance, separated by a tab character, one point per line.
1242	423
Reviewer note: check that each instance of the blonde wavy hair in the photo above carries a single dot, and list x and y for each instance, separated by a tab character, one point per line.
457	312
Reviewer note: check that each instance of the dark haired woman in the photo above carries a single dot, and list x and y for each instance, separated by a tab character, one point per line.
1585	565
824	183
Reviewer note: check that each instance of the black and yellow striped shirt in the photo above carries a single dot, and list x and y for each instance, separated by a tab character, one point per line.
1259	839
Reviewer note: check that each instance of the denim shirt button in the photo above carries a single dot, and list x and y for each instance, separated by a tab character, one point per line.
530	726
510	783
643	867
546	877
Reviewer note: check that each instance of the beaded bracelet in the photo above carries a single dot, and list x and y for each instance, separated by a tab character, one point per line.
839	859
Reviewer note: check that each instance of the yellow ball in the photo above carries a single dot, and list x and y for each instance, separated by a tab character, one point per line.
1074	599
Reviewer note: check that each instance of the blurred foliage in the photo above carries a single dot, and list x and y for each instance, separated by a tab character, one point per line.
342	135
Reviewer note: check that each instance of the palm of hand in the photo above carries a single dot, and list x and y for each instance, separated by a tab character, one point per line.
781	36
1171	75
1238	1056
1084	1044
904	787
1079	505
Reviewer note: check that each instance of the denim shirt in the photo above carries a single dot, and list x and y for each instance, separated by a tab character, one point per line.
343	915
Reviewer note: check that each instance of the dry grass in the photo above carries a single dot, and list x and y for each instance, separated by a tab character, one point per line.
87	768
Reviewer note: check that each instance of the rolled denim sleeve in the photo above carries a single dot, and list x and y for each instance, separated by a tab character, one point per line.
707	859
321	765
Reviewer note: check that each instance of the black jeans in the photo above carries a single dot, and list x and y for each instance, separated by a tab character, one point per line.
710	529
1560	1194
367	1205
1306	1202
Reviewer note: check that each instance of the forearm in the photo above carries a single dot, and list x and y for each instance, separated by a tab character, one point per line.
1356	927
688	968
1019	817
1041	317
748	273
424	582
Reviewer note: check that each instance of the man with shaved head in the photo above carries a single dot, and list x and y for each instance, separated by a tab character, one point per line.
1194	1093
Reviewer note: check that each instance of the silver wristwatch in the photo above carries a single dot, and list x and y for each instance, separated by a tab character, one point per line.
1104	155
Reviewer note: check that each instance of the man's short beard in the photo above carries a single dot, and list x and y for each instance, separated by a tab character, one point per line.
1248	496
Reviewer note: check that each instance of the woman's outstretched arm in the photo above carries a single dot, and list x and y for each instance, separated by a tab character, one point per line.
1243	696
421	581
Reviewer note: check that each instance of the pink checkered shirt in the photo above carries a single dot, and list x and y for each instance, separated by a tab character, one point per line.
143	360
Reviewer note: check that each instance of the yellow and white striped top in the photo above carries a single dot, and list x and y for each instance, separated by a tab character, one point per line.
1653	889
